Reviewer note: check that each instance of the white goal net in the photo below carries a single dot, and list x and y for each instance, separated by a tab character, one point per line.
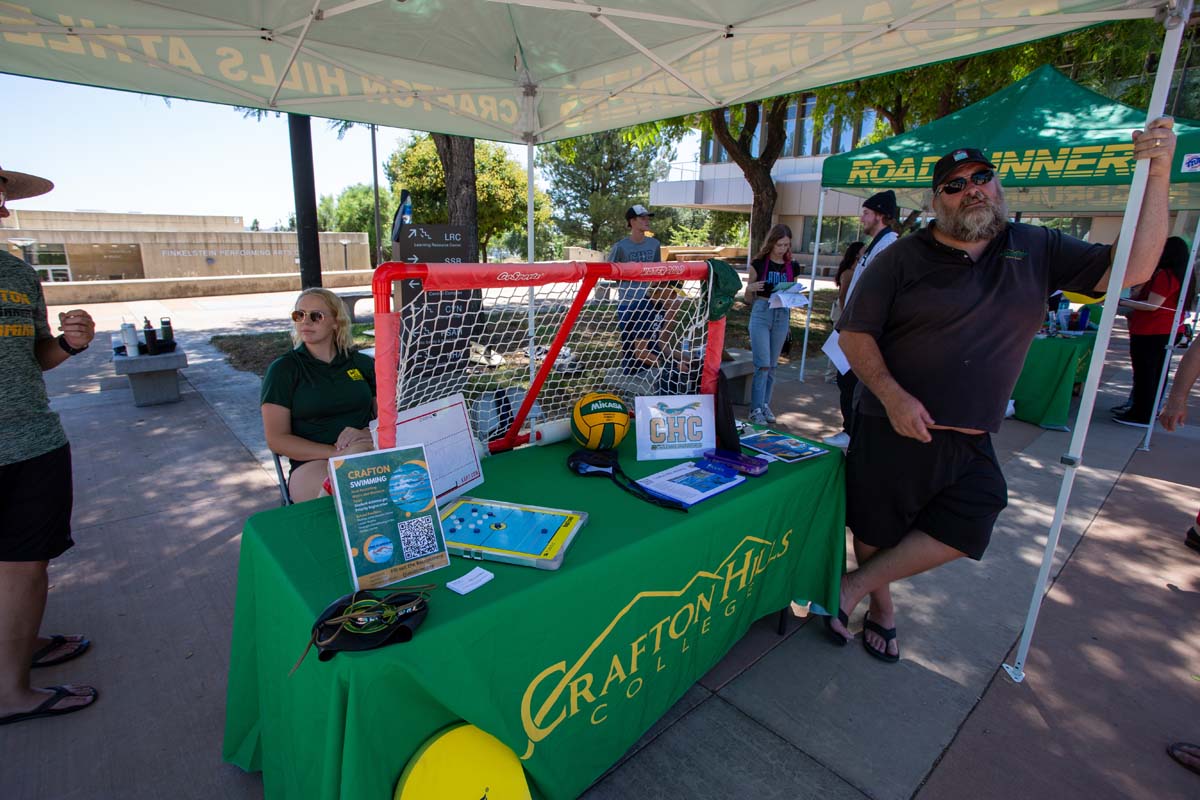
523	342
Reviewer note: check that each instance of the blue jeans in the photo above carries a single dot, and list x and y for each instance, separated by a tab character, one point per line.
768	329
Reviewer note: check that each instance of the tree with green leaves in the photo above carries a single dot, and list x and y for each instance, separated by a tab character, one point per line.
1115	60
327	213
497	186
354	210
594	178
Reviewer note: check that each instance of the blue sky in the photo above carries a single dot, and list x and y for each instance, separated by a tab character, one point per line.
118	151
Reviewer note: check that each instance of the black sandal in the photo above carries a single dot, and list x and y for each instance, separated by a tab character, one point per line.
888	635
1192	539
834	636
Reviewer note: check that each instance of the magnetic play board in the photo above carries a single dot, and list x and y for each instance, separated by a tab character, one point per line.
492	530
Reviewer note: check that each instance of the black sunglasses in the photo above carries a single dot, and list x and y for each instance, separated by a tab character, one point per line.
314	316
981	178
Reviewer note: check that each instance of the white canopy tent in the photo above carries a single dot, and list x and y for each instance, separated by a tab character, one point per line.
525	71
535	71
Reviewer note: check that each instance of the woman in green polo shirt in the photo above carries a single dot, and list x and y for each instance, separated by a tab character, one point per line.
318	400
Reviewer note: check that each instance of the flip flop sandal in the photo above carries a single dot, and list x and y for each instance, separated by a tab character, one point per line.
888	635
56	641
47	709
1192	539
835	637
1181	751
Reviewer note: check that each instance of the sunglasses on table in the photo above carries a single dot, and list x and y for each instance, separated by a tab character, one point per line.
313	316
981	178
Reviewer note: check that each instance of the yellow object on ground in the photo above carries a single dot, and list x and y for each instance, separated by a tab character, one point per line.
463	761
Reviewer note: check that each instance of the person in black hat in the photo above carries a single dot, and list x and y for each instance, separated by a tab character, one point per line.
635	311
35	479
877	217
937	332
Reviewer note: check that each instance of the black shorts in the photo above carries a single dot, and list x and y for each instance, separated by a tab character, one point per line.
35	507
950	488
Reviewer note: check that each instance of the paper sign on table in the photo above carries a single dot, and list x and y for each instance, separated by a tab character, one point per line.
679	426
389	516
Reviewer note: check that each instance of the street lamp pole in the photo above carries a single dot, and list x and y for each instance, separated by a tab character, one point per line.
345	257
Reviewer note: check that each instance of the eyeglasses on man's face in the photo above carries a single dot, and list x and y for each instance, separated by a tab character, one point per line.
981	178
313	316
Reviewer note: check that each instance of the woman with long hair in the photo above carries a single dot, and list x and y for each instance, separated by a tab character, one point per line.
768	326
1150	329
318	400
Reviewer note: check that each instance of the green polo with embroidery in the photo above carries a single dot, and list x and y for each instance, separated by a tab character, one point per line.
324	398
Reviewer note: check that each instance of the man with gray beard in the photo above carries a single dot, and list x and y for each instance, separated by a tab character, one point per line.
937	333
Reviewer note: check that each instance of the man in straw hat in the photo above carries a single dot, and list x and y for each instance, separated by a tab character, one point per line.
937	332
35	479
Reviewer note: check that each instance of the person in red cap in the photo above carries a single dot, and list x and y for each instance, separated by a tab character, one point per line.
35	479
936	331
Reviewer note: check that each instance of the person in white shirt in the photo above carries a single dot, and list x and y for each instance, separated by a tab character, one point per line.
878	215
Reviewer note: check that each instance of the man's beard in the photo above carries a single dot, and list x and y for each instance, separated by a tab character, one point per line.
978	222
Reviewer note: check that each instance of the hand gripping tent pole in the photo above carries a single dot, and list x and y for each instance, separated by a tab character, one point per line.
1177	15
812	281
1170	349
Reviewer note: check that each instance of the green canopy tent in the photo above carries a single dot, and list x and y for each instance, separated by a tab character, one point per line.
1057	146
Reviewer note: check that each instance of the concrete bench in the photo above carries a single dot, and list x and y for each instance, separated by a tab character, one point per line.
154	379
351	300
740	374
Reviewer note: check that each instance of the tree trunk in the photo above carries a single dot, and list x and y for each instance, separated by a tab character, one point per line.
756	168
457	154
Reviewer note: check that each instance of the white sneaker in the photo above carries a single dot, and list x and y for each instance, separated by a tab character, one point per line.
757	417
841	439
768	415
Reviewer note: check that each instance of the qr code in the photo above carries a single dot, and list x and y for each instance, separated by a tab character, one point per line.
417	537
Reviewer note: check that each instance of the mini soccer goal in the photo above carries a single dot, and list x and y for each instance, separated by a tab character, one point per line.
523	342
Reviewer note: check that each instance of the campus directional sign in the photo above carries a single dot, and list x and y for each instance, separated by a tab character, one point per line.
432	244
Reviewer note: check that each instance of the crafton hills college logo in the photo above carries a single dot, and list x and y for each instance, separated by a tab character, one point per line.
629	651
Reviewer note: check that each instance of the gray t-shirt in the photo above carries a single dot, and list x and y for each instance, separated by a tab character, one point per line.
30	428
954	333
627	251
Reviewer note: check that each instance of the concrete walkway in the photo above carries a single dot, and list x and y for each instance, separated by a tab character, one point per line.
162	492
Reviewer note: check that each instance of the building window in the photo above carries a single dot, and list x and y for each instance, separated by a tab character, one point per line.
53	254
838	134
54	274
836	234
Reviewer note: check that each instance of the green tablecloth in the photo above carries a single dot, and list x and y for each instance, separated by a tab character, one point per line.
1052	368
567	668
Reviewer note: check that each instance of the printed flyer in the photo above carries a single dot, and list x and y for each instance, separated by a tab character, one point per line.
390	523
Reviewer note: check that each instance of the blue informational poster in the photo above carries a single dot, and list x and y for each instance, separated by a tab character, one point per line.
386	504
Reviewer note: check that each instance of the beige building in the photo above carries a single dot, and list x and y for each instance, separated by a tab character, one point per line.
91	246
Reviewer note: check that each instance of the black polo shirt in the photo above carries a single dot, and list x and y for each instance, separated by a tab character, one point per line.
954	333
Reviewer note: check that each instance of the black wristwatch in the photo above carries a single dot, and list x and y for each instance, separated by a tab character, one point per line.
71	351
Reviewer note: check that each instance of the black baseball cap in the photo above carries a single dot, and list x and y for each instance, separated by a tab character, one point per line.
883	203
949	162
637	211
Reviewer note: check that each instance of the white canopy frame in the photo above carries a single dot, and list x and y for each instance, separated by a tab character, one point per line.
1175	23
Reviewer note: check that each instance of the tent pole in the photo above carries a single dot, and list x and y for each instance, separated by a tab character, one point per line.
1074	456
812	281
1179	306
529	200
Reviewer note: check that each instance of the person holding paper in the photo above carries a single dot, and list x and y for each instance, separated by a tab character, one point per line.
1150	330
770	272
319	399
878	214
937	332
